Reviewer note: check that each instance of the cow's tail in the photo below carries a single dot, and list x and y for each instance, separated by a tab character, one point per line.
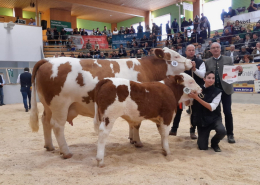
97	117
34	120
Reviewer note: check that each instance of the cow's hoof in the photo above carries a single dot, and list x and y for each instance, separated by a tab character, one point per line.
138	145
132	141
49	148
100	162
67	156
165	153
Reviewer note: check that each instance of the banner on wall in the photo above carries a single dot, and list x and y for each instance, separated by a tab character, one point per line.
246	82
247	20
187	6
123	39
81	41
60	24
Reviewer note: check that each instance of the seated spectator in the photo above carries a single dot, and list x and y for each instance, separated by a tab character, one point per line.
126	30
96	56
143	41
194	36
207	54
167	44
186	42
105	31
209	45
89	45
88	55
180	36
121	31
226	38
238	42
32	23
138	54
202	36
76	32
114	55
247	41
147	29
146	48
115	32
181	50
150	40
102	56
133	42
174	40
72	55
254	40
140	28
222	46
131	30
121	51
63	35
128	44
233	54
249	31
246	59
215	37
134	49
56	33
132	55
84	32
56	55
68	44
257	29
242	53
62	55
256	52
80	55
252	7
97	32
231	12
109	34
96	45
199	51
229	26
236	28
96	51
242	34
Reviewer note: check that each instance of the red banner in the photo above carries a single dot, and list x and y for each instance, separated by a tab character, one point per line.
81	41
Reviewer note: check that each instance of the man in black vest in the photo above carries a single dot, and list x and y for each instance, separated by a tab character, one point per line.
168	31
25	80
206	114
197	71
2	82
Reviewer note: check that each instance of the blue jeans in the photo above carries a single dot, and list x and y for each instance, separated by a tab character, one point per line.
1	96
26	92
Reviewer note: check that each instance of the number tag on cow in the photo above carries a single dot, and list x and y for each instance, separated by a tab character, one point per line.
186	90
174	63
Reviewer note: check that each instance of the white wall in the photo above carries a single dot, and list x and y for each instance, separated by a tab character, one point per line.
22	43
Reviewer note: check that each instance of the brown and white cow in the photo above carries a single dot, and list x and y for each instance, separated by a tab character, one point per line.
135	102
66	85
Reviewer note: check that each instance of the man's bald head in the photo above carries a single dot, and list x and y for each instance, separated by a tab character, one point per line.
190	51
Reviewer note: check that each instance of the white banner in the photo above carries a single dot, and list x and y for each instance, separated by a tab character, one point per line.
247	20
187	6
229	74
248	72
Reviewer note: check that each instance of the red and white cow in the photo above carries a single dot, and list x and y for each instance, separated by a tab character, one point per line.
65	86
135	102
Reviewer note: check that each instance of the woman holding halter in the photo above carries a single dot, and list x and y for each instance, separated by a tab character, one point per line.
206	114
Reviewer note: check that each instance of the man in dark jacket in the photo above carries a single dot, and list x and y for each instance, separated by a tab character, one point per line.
168	31
184	24
121	51
231	12
25	80
197	72
175	26
206	114
223	15
252	7
2	82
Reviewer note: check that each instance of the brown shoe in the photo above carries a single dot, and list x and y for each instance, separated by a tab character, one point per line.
173	133
193	136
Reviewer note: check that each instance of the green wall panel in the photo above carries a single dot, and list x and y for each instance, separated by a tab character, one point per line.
28	15
6	11
90	25
189	14
129	22
242	3
172	9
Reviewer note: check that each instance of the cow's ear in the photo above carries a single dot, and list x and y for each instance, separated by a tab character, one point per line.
178	79
159	53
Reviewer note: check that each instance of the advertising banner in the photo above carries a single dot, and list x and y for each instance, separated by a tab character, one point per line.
60	24
123	39
81	41
246	82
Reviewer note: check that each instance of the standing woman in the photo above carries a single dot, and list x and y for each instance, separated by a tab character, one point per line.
206	114
196	22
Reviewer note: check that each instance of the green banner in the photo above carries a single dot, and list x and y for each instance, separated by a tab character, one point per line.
60	24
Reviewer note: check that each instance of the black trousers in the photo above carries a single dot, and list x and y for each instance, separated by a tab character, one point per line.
226	103
203	134
177	120
169	37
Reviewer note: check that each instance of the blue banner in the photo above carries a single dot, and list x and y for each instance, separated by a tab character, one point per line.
122	39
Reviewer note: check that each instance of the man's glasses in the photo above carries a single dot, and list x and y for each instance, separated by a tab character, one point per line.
215	48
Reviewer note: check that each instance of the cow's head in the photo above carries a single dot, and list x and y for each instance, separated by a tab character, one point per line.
176	63
182	85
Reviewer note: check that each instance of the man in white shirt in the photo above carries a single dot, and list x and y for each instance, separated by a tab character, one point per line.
232	53
206	114
197	72
2	82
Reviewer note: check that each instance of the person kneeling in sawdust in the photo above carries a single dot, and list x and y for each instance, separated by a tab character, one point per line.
206	114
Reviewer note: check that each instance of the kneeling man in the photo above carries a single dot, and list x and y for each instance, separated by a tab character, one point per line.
206	114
